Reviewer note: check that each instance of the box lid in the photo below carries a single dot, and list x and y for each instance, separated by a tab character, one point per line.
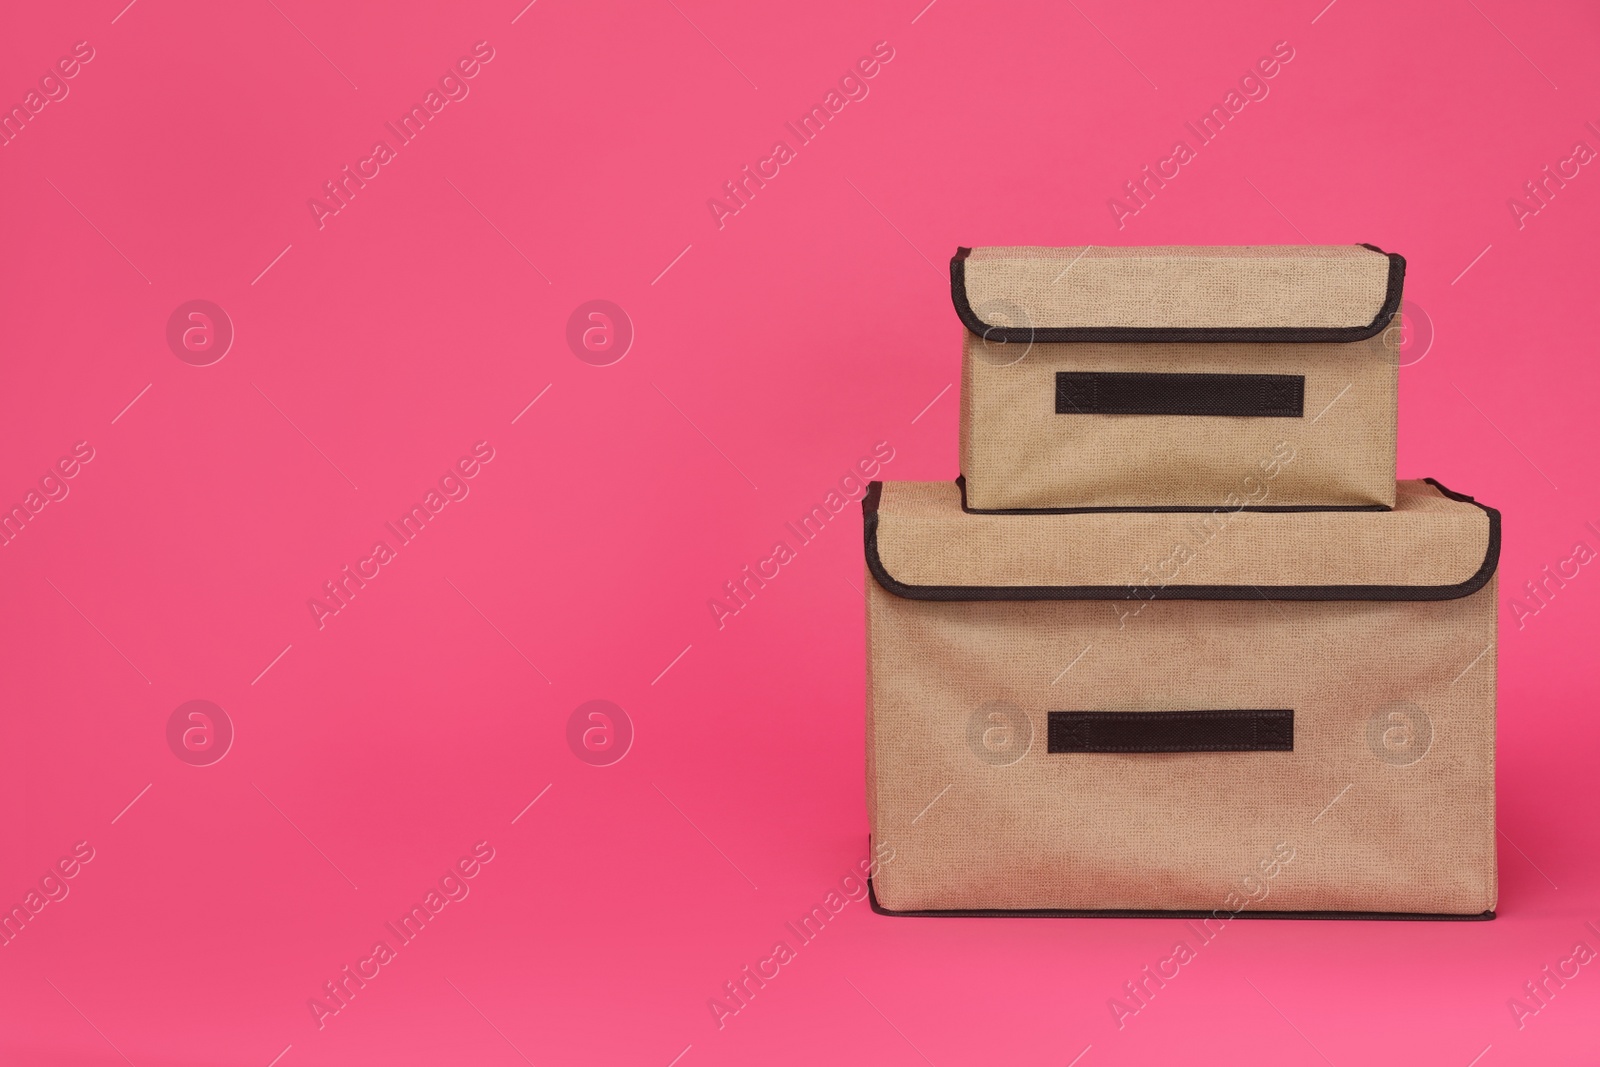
1255	293
1434	545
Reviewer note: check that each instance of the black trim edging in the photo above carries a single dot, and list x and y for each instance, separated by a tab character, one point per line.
1174	334
1491	559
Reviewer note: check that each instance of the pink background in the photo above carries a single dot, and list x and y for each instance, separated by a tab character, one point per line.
770	355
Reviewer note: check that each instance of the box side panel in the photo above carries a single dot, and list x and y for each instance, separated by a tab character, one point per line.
1385	804
1020	452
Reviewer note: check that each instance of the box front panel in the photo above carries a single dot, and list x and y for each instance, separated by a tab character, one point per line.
1025	443
1384	804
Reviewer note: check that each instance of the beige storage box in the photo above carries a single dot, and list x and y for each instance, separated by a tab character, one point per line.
1167	377
1244	712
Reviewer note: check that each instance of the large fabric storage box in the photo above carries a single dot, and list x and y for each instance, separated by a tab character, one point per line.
1166	377
1242	712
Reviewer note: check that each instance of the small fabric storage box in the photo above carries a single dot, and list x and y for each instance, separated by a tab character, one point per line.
1134	712
1168	377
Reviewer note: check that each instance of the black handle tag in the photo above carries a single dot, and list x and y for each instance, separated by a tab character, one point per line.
1256	730
1118	393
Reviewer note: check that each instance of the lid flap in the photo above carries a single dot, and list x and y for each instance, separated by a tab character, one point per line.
1254	293
1434	545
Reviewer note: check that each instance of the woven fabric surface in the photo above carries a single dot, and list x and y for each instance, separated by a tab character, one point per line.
1018	451
1247	286
924	538
1386	802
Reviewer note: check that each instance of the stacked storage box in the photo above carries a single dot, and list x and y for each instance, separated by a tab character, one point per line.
1176	642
